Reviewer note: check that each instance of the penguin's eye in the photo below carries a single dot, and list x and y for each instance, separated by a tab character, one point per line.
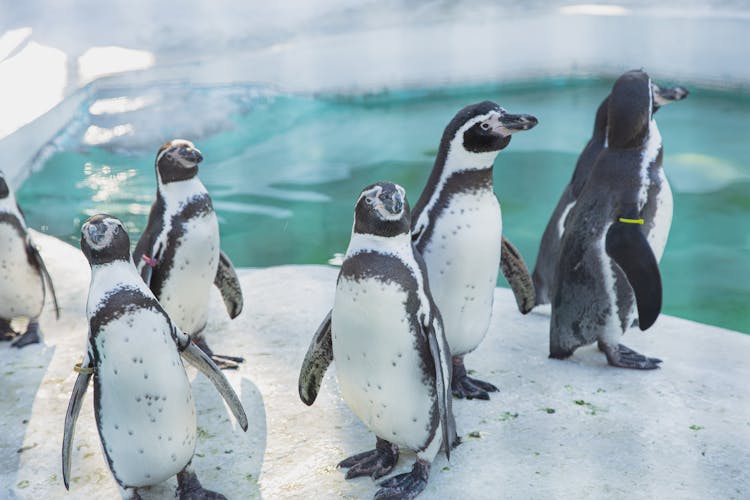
485	126
368	201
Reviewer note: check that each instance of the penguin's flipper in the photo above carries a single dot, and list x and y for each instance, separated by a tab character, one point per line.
228	283
199	359
441	358
71	416
36	258
319	356
628	247
515	271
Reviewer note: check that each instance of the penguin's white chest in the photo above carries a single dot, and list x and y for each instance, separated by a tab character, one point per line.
377	362
661	205
185	292
21	288
659	233
144	411
463	259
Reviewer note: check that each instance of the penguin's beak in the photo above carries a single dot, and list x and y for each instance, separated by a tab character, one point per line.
510	124
96	232
665	95
191	155
393	202
4	190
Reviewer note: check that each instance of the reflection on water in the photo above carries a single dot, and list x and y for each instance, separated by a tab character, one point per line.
284	171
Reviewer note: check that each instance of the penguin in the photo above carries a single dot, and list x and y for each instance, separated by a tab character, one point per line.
549	247
392	360
608	263
24	279
143	403
178	254
457	228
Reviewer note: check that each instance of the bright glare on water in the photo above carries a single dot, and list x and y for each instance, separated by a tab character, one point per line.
285	170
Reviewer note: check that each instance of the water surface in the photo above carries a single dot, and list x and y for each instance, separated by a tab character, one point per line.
285	170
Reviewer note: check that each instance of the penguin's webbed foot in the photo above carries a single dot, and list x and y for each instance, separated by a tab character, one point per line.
222	361
374	463
226	362
624	357
405	486
31	336
467	387
189	488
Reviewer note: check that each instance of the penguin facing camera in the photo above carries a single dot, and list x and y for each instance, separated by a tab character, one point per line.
614	235
392	360
24	279
143	403
178	254
457	228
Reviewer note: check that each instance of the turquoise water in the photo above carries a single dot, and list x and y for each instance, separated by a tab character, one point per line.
284	171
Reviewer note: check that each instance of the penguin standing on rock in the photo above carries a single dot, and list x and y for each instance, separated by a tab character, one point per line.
178	254
385	333
457	228
24	279
143	403
549	249
614	235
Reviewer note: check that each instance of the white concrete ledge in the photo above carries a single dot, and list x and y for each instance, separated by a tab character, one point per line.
557	429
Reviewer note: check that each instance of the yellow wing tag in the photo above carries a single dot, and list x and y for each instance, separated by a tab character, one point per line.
631	221
80	369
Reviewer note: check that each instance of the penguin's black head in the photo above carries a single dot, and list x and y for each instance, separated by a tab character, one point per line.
666	95
382	210
629	112
4	189
104	239
484	127
177	161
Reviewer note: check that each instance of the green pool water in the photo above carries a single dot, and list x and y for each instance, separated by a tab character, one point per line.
285	170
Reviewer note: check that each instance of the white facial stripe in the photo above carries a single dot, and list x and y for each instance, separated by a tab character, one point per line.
370	194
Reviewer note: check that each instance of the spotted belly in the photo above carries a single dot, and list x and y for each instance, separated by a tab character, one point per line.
185	291
143	402
21	288
463	259
378	363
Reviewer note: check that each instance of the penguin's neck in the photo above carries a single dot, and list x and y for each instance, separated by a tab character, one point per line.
178	192
459	159
399	245
110	276
453	162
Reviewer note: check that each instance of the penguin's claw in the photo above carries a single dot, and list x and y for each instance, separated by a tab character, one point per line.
226	363
405	486
222	361
471	388
374	463
624	357
6	331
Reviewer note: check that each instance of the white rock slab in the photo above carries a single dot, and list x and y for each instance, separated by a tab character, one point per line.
557	429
